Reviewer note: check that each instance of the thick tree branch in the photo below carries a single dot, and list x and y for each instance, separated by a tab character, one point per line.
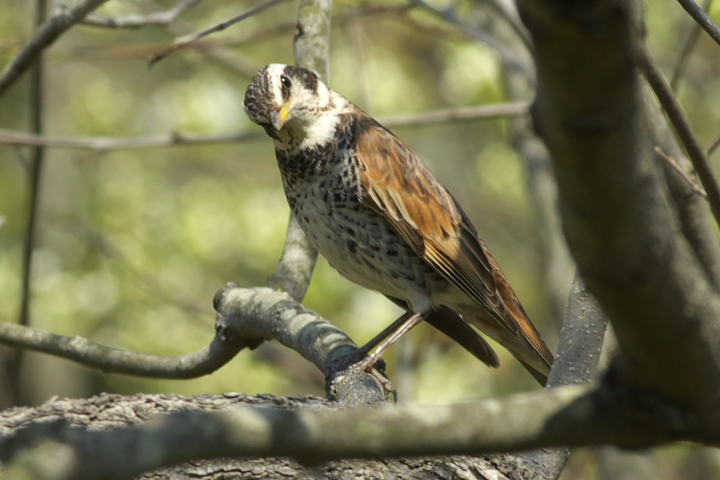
617	216
570	415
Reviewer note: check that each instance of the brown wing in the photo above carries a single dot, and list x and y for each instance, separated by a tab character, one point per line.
424	213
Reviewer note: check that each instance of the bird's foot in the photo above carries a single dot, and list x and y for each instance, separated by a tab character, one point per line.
372	364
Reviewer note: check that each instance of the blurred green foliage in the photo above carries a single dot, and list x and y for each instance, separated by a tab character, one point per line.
133	243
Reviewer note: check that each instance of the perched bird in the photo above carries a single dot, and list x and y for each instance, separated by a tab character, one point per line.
382	220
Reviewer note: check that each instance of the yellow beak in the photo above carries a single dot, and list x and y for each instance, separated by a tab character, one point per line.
278	119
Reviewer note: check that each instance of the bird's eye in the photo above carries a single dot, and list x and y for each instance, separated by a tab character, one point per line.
285	80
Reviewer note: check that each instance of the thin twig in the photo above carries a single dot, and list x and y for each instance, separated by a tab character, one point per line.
510	15
674	164
109	143
702	18
462	114
183	42
58	23
713	147
448	15
685	53
137	21
682	127
479	112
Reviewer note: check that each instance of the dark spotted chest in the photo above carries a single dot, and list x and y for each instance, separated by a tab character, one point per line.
324	190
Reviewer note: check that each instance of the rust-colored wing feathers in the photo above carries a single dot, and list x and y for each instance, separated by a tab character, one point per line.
424	213
403	190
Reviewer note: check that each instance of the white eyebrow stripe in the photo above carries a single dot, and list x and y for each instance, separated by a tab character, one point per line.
274	71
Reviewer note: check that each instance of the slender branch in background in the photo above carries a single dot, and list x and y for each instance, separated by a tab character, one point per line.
449	16
137	21
37	159
680	123
674	164
183	42
702	18
231	59
479	112
508	12
358	41
217	48
58	23
713	146
105	143
685	53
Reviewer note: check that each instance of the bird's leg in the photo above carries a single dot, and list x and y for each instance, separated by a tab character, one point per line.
388	337
378	339
383	341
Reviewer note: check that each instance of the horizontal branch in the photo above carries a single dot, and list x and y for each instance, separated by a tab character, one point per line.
111	143
245	318
137	21
112	360
566	416
480	112
267	314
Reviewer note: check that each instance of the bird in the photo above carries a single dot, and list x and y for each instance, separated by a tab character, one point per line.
383	221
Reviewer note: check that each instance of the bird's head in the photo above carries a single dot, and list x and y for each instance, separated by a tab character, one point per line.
287	101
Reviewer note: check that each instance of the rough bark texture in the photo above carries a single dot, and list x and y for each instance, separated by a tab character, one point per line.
617	213
111	411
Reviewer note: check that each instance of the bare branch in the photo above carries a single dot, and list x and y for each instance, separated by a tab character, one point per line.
36	102
696	220
109	143
183	42
685	52
680	122
137	21
58	23
674	164
112	360
713	146
479	112
702	18
449	15
571	415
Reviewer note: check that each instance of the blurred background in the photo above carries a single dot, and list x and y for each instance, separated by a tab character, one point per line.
132	243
